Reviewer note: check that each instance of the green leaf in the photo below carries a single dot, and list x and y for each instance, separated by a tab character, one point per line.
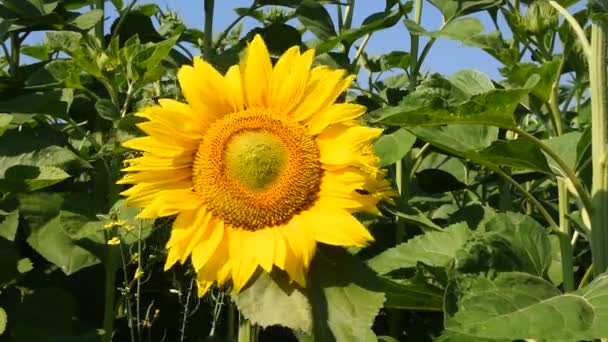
392	147
519	73
374	22
40	52
5	120
107	110
3	320
506	242
24	265
472	82
494	108
412	215
452	8
278	37
435	181
31	177
50	236
520	153
460	29
436	248
522	306
563	146
48	102
66	41
8	262
316	18
345	297
88	19
269	301
9	222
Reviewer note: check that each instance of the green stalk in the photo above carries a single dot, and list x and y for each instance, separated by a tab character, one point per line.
564	239
108	310
348	15
99	4
208	42
247	331
402	177
14	58
599	136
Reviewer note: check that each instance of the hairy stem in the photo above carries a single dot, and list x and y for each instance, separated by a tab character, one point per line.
208	42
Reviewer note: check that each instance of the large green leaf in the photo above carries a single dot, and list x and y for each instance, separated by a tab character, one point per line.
522	306
519	73
52	226
506	242
520	153
273	301
34	159
563	146
436	248
392	147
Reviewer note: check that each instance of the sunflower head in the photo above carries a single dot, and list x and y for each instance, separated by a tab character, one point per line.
259	166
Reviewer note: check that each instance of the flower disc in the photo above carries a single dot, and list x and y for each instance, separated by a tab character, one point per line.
257	170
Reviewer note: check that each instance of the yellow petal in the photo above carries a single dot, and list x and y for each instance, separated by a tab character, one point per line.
243	260
160	176
170	202
335	226
202	286
289	79
206	90
256	69
295	268
208	244
150	162
324	87
334	114
341	144
151	145
200	228
235	84
168	136
300	242
142	194
176	116
217	269
280	250
263	241
184	227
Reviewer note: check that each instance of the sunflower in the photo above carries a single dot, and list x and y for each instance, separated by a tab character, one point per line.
259	166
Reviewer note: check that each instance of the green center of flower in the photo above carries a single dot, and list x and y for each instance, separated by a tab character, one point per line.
256	159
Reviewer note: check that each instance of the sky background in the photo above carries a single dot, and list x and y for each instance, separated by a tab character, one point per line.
445	57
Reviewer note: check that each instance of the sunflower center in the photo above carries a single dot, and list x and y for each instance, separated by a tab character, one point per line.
256	159
256	169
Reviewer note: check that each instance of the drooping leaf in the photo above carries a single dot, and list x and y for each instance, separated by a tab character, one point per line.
266	302
107	110
392	147
563	145
518	75
316	18
436	248
522	306
459	29
518	153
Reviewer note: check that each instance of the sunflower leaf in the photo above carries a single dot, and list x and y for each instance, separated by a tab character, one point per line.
435	248
269	301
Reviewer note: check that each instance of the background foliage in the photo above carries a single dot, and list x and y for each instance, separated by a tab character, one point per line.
490	237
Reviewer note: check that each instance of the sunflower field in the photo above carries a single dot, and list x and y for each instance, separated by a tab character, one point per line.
279	180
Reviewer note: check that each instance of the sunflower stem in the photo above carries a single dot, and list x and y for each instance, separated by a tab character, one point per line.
247	332
208	41
108	314
99	26
599	152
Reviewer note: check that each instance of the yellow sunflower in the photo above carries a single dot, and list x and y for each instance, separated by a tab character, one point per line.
259	166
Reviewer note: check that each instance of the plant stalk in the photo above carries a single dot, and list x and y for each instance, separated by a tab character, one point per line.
99	30
564	239
108	312
247	331
208	42
599	136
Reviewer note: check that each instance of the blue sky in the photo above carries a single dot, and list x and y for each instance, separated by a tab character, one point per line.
446	56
